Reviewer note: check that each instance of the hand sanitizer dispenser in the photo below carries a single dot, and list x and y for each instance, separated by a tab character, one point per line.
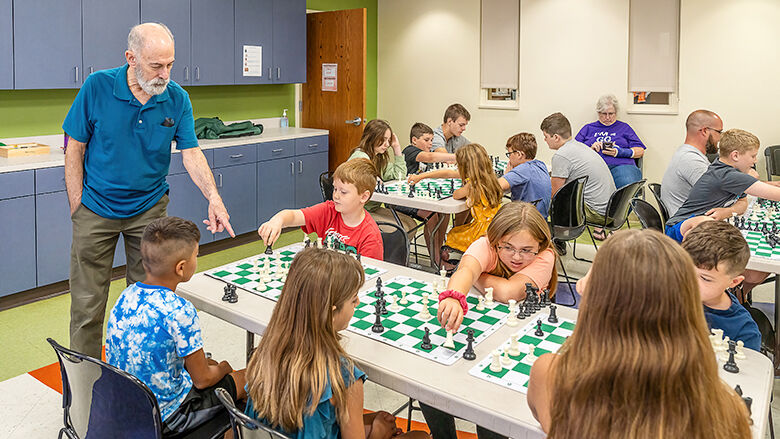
284	122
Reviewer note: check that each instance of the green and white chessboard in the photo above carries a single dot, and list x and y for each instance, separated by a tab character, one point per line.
758	245
424	188
405	329
515	373
243	274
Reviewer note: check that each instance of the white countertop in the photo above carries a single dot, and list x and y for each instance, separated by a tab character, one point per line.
56	157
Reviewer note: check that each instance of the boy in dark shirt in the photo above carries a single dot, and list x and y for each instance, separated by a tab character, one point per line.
720	254
419	150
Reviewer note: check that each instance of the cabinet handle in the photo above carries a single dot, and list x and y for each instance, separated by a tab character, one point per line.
292	168
313	145
277	150
278	72
270	76
197	73
220	180
77	74
236	156
91	70
300	166
186	73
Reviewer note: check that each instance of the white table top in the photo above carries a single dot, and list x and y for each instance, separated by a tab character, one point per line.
449	388
448	205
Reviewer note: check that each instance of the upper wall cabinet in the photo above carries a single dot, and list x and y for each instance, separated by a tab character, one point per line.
6	46
176	15
289	50
212	42
47	44
105	26
254	27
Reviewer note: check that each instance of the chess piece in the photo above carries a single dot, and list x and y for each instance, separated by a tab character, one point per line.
731	365
511	319
530	357
233	295
307	242
378	284
377	327
426	340
505	360
546	296
425	314
740	354
538	331
394	306
403	301
411	191
495	362
449	342
319	242
469	353
481	303
489	296
514	346
226	296
523	311
268	250
553	318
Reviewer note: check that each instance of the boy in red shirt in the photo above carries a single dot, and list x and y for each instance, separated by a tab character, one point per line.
344	218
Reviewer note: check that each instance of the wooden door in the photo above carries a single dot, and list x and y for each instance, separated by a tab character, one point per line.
337	37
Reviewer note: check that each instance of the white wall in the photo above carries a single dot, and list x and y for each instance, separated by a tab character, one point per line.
572	51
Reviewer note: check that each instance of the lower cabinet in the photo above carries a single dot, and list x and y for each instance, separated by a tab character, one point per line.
17	245
307	178
187	202
238	187
276	187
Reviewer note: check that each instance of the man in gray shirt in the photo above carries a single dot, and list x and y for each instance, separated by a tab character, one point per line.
448	137
689	162
573	160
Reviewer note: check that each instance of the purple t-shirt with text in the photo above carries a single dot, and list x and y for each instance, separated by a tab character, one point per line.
619	132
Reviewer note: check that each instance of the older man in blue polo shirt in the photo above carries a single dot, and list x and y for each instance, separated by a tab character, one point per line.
121	125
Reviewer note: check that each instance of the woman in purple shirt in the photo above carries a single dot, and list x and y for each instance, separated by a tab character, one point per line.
615	141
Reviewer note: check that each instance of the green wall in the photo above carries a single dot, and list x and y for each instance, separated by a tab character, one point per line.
40	112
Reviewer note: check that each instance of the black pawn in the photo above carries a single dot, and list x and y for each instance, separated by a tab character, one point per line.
378	322
227	290
307	243
731	365
378	285
411	191
553	318
748	402
521	314
738	389
233	295
383	306
269	250
469	353
358	257
538	331
546	296
426	340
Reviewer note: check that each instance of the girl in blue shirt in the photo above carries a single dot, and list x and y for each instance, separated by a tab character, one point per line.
300	380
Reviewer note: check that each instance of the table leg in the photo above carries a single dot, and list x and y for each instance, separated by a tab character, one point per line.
250	344
776	355
431	251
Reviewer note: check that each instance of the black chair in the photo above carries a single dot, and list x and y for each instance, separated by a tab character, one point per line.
240	422
711	156
567	218
772	156
655	188
101	401
648	216
616	215
326	185
395	241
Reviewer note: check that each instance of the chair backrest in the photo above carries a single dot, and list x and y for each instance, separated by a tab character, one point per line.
395	241
772	155
101	401
711	156
648	216
655	188
239	421
567	210
620	202
326	186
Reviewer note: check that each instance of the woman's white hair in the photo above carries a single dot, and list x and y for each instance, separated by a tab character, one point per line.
136	39
605	102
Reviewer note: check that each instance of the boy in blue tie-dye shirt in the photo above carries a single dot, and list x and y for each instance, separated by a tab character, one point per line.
155	335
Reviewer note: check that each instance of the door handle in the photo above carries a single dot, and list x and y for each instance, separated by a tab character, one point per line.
278	72
300	166
292	168
91	70
356	121
186	73
197	73
77	75
277	150
270	76
236	156
220	180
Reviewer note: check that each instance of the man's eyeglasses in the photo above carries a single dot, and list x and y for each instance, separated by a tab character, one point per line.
513	251
713	129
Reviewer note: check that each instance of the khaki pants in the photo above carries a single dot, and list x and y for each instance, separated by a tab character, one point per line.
91	260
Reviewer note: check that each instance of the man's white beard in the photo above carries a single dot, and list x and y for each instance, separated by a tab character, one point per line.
154	87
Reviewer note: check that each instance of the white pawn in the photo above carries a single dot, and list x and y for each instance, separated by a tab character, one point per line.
256	267
425	314
449	342
717	338
435	288
530	357
495	362
489	296
404	301
505	360
278	263
481	303
514	346
511	319
394	306
443	275
319	242
260	285
740	355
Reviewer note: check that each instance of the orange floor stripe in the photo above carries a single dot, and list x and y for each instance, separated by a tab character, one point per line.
401	423
50	375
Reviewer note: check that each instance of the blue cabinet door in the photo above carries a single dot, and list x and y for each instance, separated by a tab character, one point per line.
54	231
176	15
275	187
47	44
307	178
6	46
289	51
105	26
17	245
254	27
187	202
238	188
213	41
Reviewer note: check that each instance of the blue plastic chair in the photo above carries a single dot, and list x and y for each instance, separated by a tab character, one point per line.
240	422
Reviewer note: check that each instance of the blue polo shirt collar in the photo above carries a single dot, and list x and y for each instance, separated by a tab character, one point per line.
122	90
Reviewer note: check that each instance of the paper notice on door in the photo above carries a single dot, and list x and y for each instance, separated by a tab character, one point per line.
330	77
253	61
